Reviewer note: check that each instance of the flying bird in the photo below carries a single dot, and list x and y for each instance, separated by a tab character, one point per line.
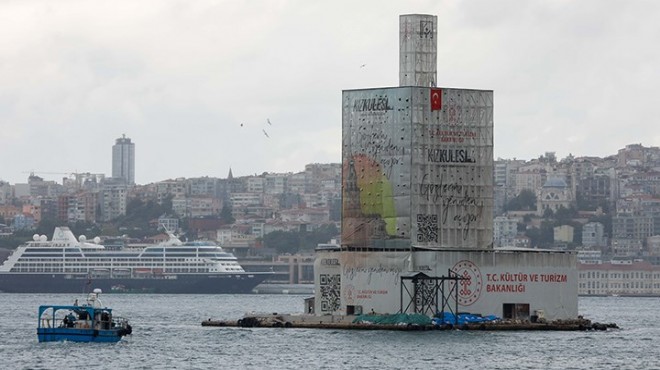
362	66
268	120
265	133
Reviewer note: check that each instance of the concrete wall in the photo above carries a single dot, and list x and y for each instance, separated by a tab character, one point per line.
545	280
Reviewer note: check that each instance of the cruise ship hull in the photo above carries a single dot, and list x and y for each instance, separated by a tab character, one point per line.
226	283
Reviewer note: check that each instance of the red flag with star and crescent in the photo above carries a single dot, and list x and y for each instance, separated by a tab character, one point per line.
436	99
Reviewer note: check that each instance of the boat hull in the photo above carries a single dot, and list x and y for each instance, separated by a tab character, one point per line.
168	284
77	335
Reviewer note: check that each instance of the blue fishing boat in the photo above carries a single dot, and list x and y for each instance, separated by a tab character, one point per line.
89	322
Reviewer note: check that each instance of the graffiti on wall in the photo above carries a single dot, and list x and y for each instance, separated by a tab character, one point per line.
376	149
379	273
452	195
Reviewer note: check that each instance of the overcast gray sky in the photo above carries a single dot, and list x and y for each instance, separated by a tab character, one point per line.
180	77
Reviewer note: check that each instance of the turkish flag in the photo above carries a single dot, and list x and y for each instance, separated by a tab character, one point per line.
436	99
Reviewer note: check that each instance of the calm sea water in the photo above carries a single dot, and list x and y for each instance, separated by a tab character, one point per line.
167	333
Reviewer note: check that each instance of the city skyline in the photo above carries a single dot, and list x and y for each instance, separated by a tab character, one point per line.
205	87
57	177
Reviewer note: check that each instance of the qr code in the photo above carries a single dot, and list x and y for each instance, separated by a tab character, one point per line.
427	228
330	287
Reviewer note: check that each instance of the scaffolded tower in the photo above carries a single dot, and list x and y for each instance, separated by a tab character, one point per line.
418	159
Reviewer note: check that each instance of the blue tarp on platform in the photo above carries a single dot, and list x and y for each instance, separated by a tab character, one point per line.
463	318
395	319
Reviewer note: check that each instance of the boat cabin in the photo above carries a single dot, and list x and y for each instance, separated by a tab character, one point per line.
89	322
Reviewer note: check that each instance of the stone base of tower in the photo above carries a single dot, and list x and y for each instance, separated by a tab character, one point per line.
517	284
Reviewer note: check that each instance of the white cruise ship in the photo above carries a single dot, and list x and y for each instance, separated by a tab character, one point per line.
65	264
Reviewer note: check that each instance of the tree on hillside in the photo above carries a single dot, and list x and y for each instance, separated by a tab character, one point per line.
577	233
226	215
564	215
46	226
282	241
543	236
525	201
89	229
296	241
139	213
310	240
548	214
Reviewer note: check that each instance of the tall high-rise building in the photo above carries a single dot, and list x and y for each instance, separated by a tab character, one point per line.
123	160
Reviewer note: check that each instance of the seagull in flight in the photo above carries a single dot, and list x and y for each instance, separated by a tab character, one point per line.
268	120
362	66
265	133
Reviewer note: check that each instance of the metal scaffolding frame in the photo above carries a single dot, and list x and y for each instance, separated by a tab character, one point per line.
426	290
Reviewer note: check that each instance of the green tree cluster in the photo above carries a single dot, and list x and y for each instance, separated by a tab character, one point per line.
525	201
139	213
543	236
297	241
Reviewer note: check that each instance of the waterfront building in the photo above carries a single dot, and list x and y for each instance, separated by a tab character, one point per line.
625	278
